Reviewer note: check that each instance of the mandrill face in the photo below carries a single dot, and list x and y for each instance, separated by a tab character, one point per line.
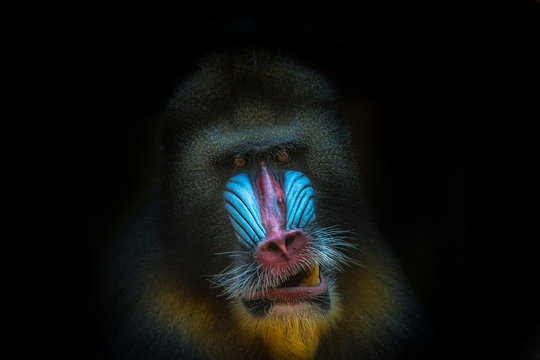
280	263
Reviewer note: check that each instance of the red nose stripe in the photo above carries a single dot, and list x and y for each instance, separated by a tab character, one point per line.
271	200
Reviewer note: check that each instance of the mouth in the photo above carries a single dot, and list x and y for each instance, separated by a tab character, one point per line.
300	285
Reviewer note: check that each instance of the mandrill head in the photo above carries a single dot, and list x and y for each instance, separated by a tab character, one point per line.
263	248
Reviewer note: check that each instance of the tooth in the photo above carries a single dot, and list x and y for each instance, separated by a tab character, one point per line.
313	278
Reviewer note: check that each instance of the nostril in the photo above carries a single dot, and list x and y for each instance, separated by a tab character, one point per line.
272	247
289	239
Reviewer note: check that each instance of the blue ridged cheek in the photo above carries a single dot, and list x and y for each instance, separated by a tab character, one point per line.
300	206
244	213
243	210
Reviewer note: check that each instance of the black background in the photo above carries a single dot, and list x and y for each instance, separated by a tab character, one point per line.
444	100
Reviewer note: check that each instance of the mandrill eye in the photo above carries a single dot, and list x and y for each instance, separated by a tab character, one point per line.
240	162
282	156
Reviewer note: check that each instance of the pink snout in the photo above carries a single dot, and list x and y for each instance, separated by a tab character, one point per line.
281	247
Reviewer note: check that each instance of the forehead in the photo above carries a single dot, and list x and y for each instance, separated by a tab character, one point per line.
250	113
232	137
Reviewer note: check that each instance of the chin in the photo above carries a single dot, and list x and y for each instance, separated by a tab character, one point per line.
290	320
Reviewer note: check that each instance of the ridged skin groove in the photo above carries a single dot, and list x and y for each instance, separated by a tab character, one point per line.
243	210
300	208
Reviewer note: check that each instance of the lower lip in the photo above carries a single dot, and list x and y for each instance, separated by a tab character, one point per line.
293	293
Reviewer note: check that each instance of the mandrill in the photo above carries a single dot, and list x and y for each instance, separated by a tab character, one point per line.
257	243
